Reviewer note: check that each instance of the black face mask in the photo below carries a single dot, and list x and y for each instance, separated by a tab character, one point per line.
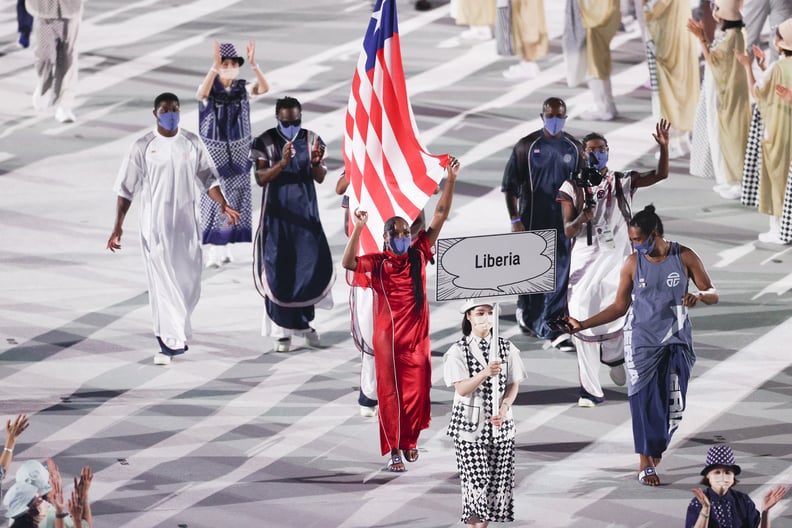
294	122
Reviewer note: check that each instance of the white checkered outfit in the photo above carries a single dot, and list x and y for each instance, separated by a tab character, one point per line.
651	61
700	154
486	466
752	167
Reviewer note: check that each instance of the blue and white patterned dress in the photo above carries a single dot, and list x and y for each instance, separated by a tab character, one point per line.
224	121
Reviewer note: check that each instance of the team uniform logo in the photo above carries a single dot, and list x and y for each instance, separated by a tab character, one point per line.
673	279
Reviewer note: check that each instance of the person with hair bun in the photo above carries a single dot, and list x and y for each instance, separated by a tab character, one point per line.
658	341
402	356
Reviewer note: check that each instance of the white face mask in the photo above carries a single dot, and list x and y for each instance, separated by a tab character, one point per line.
229	74
481	320
721	479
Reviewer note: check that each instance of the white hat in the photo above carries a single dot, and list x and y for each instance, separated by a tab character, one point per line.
785	30
469	304
18	498
33	472
728	9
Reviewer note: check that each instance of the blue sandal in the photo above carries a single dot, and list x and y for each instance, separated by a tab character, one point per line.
648	471
395	460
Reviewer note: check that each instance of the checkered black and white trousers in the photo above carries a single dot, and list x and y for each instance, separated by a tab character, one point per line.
486	471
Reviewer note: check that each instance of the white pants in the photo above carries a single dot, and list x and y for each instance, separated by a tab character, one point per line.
590	355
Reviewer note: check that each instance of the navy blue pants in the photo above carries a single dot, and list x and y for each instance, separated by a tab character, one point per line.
539	308
657	408
24	19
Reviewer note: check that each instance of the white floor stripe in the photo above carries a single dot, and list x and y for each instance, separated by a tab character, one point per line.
731	255
779	288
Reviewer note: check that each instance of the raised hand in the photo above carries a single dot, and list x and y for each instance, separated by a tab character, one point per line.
361	217
759	55
453	168
86	477
697	28
772	497
742	58
217	57
15	428
251	53
784	93
662	132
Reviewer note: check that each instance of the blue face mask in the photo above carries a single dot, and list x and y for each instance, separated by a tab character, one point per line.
291	129
400	245
602	159
554	125
645	248
168	120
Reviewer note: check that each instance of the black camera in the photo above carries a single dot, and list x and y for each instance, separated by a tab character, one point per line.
588	176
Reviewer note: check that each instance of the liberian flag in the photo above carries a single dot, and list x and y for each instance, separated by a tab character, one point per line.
389	171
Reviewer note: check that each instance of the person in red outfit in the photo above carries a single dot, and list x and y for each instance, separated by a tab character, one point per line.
402	357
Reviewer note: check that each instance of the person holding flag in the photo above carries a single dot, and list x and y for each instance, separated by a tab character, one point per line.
397	276
391	177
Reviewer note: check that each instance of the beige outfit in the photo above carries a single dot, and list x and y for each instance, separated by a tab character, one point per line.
777	117
475	12
734	105
676	50
601	19
529	29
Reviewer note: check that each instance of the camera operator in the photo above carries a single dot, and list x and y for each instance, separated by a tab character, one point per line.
601	198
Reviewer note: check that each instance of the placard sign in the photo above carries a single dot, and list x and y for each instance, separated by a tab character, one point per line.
495	265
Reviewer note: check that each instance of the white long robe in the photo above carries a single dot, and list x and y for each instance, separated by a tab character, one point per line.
165	173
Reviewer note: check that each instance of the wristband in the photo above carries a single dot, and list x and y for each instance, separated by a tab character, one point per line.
704	515
10	450
61	515
215	70
507	404
255	67
516	220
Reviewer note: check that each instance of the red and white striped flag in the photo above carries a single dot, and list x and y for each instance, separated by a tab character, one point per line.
389	171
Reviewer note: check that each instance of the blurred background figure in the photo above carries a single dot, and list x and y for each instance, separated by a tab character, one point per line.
676	80
521	30
24	24
588	31
724	95
757	13
224	127
478	15
57	24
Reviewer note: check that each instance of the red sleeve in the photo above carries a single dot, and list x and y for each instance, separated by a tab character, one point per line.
366	264
422	244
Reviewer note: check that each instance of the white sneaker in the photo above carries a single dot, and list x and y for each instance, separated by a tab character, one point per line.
162	359
618	375
522	70
212	262
772	237
312	338
229	258
585	402
731	192
283	344
720	187
596	115
476	33
368	412
64	115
